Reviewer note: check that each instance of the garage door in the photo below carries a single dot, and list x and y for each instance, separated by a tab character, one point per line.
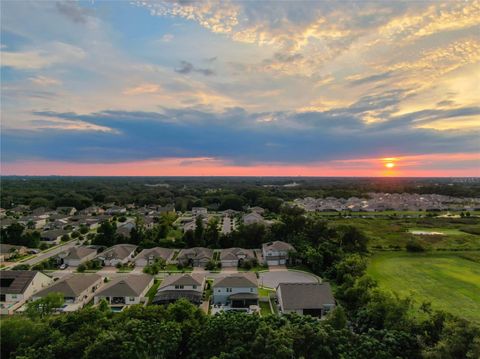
272	263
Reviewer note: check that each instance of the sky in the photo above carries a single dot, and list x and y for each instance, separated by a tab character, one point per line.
271	88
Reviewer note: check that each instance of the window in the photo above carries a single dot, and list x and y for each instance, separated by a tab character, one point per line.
179	287
229	290
131	299
194	286
14	296
251	290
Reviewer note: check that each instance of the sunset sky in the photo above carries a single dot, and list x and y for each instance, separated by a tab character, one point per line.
240	88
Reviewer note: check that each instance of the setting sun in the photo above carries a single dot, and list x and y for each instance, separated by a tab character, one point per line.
390	165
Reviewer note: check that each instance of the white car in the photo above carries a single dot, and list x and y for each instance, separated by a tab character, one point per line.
63	266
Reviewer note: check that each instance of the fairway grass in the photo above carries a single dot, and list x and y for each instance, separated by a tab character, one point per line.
447	280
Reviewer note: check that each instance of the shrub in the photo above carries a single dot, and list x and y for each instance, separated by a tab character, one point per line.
414	246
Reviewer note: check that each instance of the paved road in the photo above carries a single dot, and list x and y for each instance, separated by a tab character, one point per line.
45	255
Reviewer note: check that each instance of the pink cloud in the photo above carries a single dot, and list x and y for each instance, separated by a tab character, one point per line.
432	165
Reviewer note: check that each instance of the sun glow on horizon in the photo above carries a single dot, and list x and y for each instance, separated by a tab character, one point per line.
389	164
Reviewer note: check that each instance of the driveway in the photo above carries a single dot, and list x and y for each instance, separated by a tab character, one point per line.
272	279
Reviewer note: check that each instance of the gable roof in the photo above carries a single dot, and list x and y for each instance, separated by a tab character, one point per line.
240	280
16	281
156	252
305	295
234	253
183	279
278	246
254	216
195	253
79	252
130	286
9	248
71	286
118	251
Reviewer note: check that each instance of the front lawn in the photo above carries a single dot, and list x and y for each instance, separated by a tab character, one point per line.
153	290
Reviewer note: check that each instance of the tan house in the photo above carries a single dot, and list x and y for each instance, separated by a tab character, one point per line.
150	255
197	256
77	289
120	253
232	257
77	255
8	251
125	290
16	287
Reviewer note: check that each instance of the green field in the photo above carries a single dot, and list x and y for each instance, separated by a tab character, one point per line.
394	233
449	280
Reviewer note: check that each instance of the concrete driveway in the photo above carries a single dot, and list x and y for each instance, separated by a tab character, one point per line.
272	279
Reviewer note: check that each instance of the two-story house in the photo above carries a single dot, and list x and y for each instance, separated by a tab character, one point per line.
277	252
120	253
236	290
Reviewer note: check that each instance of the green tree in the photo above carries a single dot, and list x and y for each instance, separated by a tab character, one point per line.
45	306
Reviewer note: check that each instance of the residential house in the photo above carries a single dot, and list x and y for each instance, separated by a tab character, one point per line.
125	228
174	287
6	222
277	252
69	211
236	290
77	290
315	299
116	210
199	211
197	256
53	236
33	222
128	290
169	208
77	255
150	255
253	218
233	257
92	210
258	210
120	253
16	287
8	251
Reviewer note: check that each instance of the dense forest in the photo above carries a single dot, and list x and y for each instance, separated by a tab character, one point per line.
212	192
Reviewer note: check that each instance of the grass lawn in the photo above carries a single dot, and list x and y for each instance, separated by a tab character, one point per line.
153	290
448	280
265	308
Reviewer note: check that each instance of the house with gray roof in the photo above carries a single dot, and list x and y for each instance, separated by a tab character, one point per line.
277	252
53	236
315	299
123	291
197	256
8	251
150	255
16	287
77	255
233	257
236	290
120	253
253	218
77	290
174	287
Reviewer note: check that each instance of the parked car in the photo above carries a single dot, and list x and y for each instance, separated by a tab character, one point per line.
63	266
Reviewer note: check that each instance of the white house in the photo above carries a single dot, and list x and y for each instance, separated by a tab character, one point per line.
315	299
77	289
236	290
77	255
120	253
150	255
174	287
232	257
125	290
276	253
16	287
